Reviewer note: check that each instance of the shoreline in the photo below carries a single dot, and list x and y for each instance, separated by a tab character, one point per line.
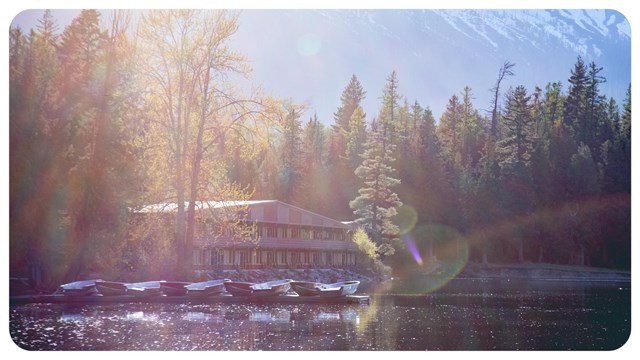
547	272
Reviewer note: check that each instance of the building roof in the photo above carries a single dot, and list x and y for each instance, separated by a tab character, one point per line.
265	211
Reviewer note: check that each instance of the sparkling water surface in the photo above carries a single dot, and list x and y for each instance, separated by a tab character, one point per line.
463	315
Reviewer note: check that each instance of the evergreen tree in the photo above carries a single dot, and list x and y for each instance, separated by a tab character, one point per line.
36	146
376	204
575	105
449	132
290	169
315	180
593	129
471	132
583	225
514	156
625	120
389	119
341	170
518	123
505	70
356	137
350	99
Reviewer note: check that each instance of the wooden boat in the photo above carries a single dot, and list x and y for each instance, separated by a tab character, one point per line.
174	288
272	288
269	288
238	288
305	288
206	288
78	288
111	288
144	289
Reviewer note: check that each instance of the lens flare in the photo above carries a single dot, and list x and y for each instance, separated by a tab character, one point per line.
408	241
445	252
309	44
406	219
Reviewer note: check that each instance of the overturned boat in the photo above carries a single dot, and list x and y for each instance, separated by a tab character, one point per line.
265	289
306	288
206	288
144	289
78	288
174	288
111	288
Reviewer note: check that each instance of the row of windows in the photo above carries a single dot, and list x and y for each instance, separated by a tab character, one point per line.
283	232
300	232
226	257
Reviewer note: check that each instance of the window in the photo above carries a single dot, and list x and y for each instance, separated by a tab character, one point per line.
243	258
197	257
293	232
295	258
340	235
316	258
271	258
281	257
282	232
270	231
306	234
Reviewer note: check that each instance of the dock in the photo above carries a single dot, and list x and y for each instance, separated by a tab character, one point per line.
164	299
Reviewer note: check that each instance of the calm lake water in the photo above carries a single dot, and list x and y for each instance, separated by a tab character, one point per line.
463	315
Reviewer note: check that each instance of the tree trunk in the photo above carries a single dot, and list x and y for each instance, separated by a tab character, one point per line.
520	250
540	253
485	259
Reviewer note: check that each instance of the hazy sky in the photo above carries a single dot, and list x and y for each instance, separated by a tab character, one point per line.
309	56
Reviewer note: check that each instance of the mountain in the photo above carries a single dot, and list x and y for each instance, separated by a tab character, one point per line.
310	55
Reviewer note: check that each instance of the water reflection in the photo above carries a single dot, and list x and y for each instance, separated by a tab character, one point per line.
463	315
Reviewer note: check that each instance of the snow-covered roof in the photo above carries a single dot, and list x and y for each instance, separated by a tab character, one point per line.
265	211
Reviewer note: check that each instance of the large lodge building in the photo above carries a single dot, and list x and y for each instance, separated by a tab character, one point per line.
284	236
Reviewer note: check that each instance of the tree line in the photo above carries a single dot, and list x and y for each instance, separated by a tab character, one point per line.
106	120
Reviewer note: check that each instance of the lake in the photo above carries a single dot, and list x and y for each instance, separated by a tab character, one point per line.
460	315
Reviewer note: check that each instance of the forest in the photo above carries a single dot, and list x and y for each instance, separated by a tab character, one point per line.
109	118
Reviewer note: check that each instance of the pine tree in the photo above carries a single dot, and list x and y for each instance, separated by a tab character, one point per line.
350	99
315	180
514	156
35	149
449	131
518	123
592	129
356	137
575	105
471	132
389	119
505	70
290	169
583	175
376	203
625	120
342	187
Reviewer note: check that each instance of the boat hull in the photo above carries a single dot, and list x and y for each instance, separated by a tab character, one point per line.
174	288
110	288
79	288
206	288
144	289
239	288
266	289
345	288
